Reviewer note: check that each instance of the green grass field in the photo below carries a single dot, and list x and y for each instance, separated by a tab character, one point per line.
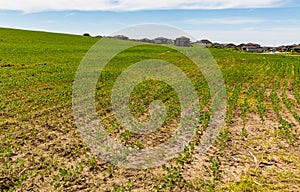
41	150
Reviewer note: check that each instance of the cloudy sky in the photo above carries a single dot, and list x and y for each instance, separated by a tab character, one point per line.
268	22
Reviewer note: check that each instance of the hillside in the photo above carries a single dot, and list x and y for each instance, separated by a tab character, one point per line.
41	150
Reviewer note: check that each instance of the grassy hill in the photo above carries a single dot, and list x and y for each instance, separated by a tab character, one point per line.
40	149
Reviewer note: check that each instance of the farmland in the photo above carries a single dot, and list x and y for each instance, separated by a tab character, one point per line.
40	148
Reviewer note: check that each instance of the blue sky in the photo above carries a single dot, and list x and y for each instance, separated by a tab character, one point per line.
273	22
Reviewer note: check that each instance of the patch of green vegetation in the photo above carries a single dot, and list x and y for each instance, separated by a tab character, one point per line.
40	148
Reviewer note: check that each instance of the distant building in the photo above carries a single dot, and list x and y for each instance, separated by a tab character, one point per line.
204	43
218	45
254	49
146	40
286	48
231	46
120	37
297	49
241	46
161	40
282	48
170	41
183	42
267	49
251	47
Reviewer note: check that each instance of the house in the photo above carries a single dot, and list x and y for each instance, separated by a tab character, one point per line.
183	41
251	47
286	48
254	49
283	48
268	49
241	46
146	40
218	45
120	37
170	41
289	48
297	49
162	40
231	46
204	43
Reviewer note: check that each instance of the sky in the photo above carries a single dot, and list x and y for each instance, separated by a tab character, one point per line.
267	22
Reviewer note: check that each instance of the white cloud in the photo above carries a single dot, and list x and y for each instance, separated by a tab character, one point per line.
132	5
